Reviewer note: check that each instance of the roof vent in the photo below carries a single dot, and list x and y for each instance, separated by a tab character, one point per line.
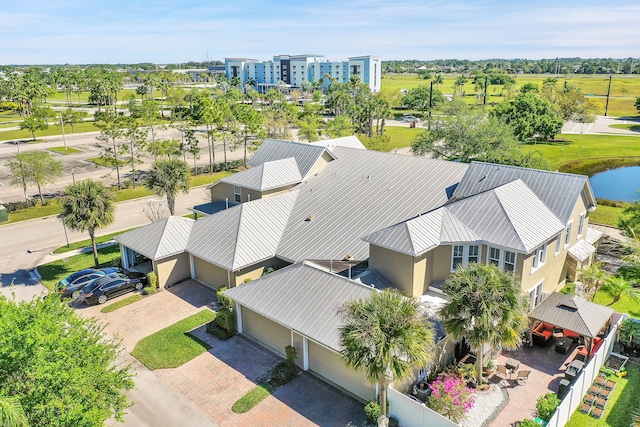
348	257
309	217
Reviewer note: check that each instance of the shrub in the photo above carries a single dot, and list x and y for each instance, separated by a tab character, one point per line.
292	354
527	422
283	372
546	405
450	397
607	371
568	289
153	280
15	206
268	271
223	326
372	411
148	290
224	300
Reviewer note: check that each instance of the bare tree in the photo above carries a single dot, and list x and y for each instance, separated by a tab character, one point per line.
156	210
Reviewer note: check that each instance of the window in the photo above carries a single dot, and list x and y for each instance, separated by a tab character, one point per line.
567	237
494	256
473	254
509	261
236	194
581	224
535	295
558	243
539	256
457	256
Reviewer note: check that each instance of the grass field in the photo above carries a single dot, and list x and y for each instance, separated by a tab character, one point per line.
52	208
173	346
52	130
625	305
606	215
122	303
86	243
623	401
628	126
54	271
251	399
65	151
400	137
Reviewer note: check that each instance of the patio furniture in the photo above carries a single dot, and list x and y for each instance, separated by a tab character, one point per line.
582	353
609	385
570	334
503	372
563	388
573	370
585	408
590	398
564	345
512	364
522	377
542	333
597	412
601	403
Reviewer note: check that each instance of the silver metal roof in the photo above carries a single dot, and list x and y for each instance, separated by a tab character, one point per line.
306	155
303	298
268	175
582	250
358	193
345	141
559	191
244	234
510	216
159	239
593	235
573	313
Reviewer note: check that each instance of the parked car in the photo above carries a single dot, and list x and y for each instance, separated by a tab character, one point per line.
133	274
109	286
71	285
410	119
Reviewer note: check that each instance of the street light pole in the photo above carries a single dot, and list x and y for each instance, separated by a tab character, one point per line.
64	138
64	227
606	107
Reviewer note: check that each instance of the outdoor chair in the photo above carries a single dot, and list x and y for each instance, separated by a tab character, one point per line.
597	412
604	393
600	381
590	398
601	403
585	408
609	385
503	373
523	376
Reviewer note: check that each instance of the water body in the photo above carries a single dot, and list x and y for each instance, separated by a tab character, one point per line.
617	184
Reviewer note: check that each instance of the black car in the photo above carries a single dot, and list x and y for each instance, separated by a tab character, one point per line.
132	274
109	286
71	285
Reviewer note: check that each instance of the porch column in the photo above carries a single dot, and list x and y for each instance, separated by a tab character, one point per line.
239	318
305	353
192	265
125	256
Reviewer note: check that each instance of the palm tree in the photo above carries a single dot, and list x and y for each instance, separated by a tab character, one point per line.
167	177
385	336
592	278
87	206
438	80
617	287
486	306
11	413
459	83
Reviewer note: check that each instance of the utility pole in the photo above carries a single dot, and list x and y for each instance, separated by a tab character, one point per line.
486	84
606	106
64	138
430	104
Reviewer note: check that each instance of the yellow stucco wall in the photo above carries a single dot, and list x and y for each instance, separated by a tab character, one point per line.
265	331
210	274
395	267
223	190
319	164
172	269
255	271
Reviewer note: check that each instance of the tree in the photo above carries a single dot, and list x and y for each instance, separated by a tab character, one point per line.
617	287
637	104
167	177
20	174
592	278
37	121
459	83
148	112
250	128
43	169
65	374
385	336
629	221
530	117
111	129
529	87
418	98
309	128
87	206
73	117
338	127
438	80
486	306
137	139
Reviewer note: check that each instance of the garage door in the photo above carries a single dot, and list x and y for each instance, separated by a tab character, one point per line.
329	365
268	332
210	274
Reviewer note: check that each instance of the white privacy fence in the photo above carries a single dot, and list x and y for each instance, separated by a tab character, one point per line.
410	413
579	388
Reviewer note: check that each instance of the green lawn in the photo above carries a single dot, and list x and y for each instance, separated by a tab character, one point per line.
52	208
63	150
54	271
625	305
624	400
251	399
122	303
400	136
173	346
628	126
589	154
86	243
606	215
52	130
106	162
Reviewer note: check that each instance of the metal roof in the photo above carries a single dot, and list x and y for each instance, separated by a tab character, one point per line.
559	191
510	216
303	298
345	141
244	234
306	155
358	193
573	313
593	235
581	250
159	239
268	175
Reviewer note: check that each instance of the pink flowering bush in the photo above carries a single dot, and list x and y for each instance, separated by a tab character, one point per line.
450	397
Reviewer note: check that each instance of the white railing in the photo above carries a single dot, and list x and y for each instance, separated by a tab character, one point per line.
410	413
578	390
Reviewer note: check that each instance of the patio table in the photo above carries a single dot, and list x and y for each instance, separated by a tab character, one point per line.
512	364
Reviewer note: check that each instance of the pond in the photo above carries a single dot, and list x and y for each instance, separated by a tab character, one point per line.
617	184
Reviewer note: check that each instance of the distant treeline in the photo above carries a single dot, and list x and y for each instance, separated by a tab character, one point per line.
517	66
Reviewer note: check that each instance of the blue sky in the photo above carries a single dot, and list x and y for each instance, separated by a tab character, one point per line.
165	31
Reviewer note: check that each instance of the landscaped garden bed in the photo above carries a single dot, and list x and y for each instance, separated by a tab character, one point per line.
616	361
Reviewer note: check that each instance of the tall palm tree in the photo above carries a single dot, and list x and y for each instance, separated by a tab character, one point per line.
486	306
438	80
617	287
87	206
385	336
167	177
11	413
592	278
